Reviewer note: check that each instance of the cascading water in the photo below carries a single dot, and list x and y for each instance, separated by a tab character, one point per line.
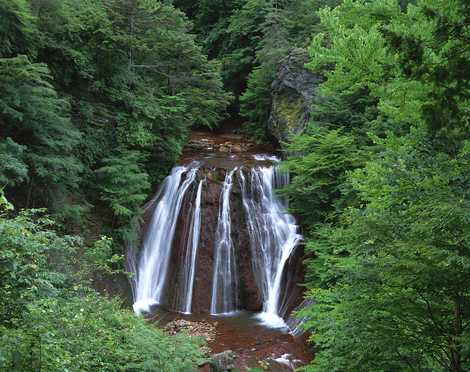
154	260
295	321
189	265
273	235
224	283
218	241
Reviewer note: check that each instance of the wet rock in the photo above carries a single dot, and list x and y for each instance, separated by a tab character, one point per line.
224	149
291	279
264	365
286	362
222	362
249	294
292	95
205	260
295	322
206	367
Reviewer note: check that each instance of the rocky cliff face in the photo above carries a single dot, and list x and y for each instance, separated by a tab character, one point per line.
249	294
292	95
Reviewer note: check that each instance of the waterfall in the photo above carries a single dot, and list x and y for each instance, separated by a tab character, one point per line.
189	265
273	235
167	267
224	283
154	260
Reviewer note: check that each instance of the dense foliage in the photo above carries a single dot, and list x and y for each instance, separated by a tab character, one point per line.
95	91
251	37
98	97
50	319
382	180
96	100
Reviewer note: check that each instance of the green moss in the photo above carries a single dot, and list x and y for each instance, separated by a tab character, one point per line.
288	113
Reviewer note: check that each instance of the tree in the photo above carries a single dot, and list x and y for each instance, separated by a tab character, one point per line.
287	25
50	319
110	75
402	298
123	184
389	265
34	117
17	28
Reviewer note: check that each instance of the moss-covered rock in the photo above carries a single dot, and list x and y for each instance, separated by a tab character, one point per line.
292	95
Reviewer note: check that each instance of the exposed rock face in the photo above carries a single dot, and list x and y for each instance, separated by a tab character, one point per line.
295	275
249	294
205	261
292	95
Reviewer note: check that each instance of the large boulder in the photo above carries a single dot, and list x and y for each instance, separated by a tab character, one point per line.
292	94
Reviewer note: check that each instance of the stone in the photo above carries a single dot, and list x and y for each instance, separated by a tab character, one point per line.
237	148
224	149
193	329
222	362
292	92
206	367
264	365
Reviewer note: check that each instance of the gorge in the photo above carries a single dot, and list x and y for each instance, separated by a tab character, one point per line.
235	185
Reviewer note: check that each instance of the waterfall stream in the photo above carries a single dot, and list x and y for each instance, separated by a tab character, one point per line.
189	265
272	236
224	284
153	265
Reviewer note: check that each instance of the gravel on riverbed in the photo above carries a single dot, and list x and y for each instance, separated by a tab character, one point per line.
194	329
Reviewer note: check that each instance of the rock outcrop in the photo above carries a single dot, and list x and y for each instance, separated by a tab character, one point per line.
292	95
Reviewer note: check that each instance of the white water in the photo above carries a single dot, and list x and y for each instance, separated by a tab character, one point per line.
295	321
189	266
273	235
224	282
154	261
265	157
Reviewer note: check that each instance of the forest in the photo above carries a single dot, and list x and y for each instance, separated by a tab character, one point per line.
98	100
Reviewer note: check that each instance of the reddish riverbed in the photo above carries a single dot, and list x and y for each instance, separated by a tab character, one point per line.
251	341
224	150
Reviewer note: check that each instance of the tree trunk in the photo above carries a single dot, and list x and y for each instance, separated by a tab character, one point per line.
456	365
